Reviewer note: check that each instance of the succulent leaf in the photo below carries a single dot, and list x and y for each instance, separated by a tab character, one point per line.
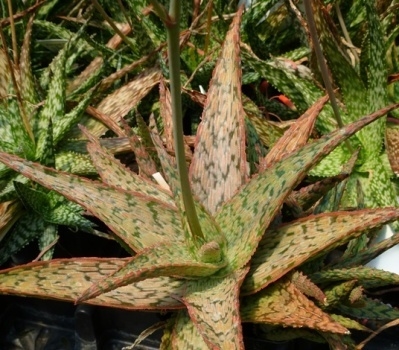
370	309
213	305
181	333
310	236
249	219
296	136
220	142
138	220
157	261
67	279
115	174
367	276
283	304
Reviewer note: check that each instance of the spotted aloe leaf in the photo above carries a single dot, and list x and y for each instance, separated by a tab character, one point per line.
144	160
213	306
52	207
139	220
181	333
362	92
28	227
249	219
363	257
370	309
107	166
26	81
282	303
166	114
67	279
207	222
310	236
338	293
117	104
220	142
296	136
96	64
303	199
369	277
156	261
302	92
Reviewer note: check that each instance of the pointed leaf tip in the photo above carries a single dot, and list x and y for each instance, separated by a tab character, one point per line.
218	168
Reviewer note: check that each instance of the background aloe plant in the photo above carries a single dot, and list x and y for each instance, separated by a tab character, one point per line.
235	271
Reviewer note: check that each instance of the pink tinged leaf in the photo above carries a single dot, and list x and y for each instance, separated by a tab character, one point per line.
295	137
140	221
166	115
247	215
115	174
117	104
284	305
65	279
213	306
218	168
288	246
209	227
303	201
161	260
106	120
307	287
182	334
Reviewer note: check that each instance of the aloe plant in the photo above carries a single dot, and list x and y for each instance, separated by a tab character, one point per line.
229	272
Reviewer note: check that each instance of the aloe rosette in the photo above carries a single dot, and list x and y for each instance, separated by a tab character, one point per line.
240	270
